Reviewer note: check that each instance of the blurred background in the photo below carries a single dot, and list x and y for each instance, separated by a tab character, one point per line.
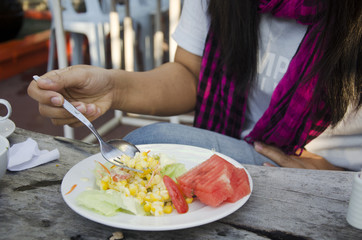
26	38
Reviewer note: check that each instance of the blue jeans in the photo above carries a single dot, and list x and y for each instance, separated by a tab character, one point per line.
237	149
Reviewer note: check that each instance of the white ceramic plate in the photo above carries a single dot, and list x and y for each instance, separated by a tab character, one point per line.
198	214
7	127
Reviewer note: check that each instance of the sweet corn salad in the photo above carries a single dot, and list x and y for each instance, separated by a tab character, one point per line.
147	188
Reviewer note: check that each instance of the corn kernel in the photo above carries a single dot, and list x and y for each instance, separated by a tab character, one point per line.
189	200
138	166
143	189
147	207
112	186
148	197
142	183
155	197
133	189
104	185
131	163
165	196
153	164
157	208
123	182
141	196
156	179
167	209
144	164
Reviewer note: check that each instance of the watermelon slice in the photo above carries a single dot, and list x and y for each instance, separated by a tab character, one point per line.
240	185
207	171
215	181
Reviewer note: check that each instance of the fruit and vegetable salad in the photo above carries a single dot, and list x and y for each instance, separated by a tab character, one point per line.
164	185
152	192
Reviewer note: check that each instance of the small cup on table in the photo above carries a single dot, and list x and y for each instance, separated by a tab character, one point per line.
8	107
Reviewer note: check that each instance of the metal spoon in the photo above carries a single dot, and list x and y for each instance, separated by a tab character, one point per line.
111	153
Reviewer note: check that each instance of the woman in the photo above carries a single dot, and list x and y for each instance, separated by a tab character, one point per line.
265	78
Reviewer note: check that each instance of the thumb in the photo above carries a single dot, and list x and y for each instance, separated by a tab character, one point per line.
46	83
60	79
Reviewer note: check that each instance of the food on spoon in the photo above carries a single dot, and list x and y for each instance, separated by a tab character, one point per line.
215	181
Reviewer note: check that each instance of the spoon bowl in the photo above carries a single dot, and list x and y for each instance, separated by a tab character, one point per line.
127	148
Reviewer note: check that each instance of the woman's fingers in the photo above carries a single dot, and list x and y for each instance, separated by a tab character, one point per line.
266	164
305	160
73	121
276	155
53	112
60	112
60	116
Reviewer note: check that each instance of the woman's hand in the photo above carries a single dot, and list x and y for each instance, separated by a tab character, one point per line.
305	160
88	88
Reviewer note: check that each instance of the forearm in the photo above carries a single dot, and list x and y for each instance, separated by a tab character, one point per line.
167	90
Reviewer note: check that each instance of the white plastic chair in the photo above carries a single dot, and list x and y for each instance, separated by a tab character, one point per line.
93	24
147	14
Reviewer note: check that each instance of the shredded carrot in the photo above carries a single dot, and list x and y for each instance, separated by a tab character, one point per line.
71	190
151	178
105	168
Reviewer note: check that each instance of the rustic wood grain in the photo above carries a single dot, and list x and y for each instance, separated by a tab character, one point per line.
285	204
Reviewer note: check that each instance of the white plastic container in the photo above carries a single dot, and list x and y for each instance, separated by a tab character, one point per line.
354	214
4	148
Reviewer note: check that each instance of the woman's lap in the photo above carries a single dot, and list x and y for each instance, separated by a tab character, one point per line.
182	134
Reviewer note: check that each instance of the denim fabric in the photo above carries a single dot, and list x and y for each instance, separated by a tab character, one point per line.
237	149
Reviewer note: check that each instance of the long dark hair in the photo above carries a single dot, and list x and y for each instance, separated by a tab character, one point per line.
339	68
236	24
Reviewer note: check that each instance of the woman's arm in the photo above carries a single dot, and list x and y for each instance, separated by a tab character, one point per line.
167	90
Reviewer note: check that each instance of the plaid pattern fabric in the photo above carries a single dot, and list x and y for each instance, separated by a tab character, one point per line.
290	121
218	108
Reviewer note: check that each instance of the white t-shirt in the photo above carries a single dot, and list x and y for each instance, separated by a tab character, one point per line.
279	40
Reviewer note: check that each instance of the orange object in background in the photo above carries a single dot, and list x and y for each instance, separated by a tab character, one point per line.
42	15
19	55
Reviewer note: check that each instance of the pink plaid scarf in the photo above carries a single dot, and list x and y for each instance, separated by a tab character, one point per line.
290	121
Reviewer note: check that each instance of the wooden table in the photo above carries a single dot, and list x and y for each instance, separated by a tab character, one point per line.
285	204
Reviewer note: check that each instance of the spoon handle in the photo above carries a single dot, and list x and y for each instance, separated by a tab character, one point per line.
70	108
